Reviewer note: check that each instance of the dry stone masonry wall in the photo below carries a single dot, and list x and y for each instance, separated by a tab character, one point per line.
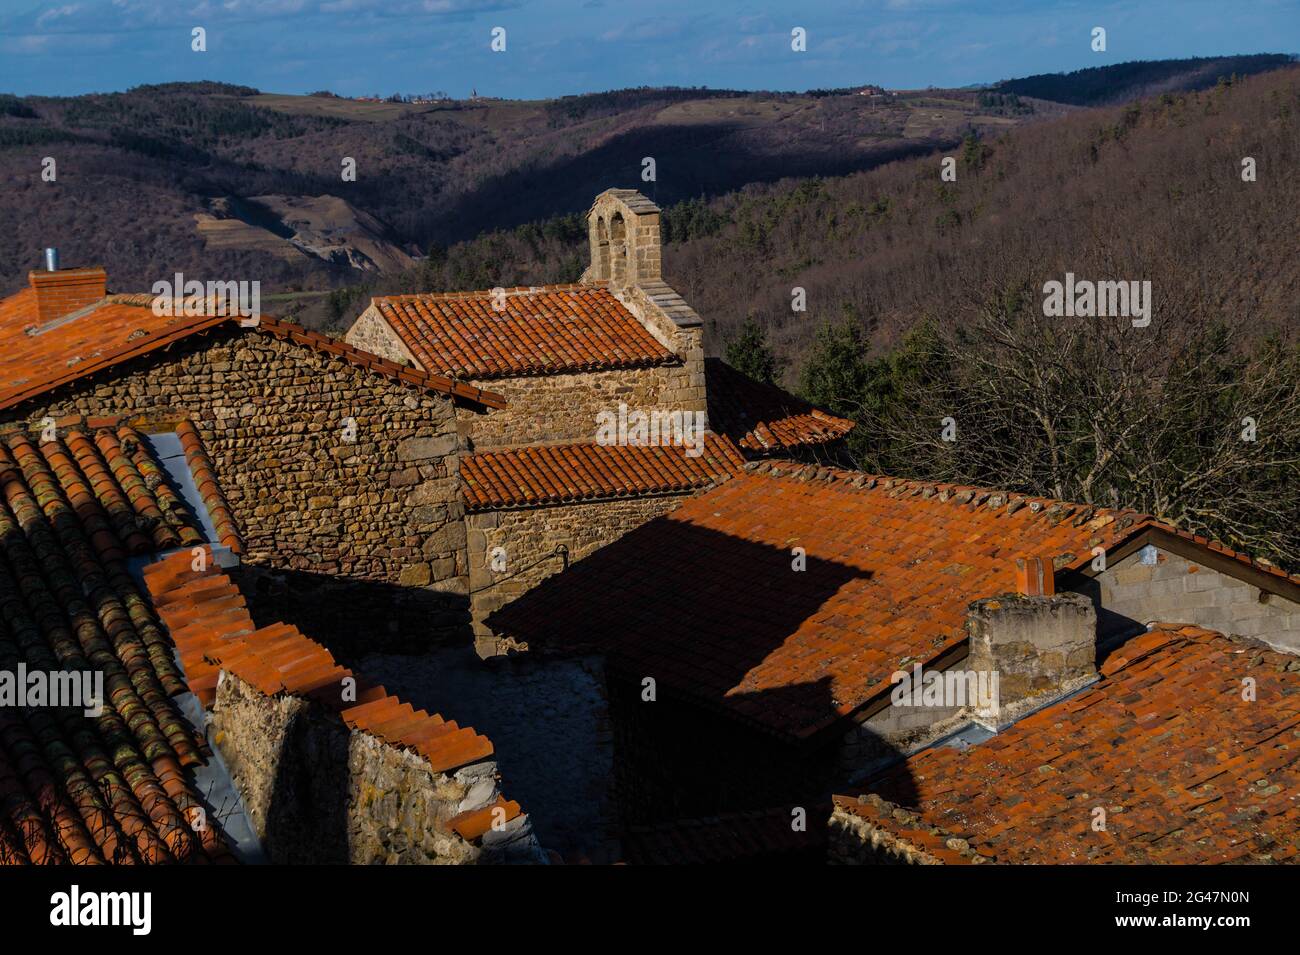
371	333
528	538
554	408
383	510
318	792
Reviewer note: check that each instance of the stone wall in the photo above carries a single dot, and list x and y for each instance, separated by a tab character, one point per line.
623	229
1156	585
564	407
549	721
1037	648
555	408
318	792
678	328
370	332
530	536
379	513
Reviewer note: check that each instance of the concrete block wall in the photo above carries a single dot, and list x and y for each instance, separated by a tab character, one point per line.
1174	589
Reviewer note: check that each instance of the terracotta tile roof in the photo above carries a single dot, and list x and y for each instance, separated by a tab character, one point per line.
19	310
205	479
901	835
582	472
426	381
210	624
759	835
475	823
1186	769
76	788
765	419
37	358
32	364
541	331
51	295
708	603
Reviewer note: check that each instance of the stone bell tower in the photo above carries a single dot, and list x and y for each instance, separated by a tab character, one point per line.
626	248
623	227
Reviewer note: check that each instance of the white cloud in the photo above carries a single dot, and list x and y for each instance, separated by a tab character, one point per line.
56	13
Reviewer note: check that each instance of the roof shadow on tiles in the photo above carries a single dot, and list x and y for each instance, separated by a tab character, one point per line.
703	611
699	615
765	419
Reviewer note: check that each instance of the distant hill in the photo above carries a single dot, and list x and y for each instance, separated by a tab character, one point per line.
1110	189
164	177
221	180
1110	85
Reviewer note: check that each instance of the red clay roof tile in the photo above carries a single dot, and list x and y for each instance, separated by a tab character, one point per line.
77	788
762	418
473	825
280	659
710	603
37	358
1186	769
540	331
553	474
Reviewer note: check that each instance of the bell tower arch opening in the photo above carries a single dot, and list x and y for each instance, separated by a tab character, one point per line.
618	250
624	233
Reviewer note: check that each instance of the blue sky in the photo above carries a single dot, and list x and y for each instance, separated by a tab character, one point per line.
553	47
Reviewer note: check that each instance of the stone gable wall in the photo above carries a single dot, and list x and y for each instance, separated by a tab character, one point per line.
554	408
370	332
530	536
677	327
383	512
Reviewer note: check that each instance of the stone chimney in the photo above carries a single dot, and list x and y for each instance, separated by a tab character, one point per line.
60	292
623	229
1040	647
